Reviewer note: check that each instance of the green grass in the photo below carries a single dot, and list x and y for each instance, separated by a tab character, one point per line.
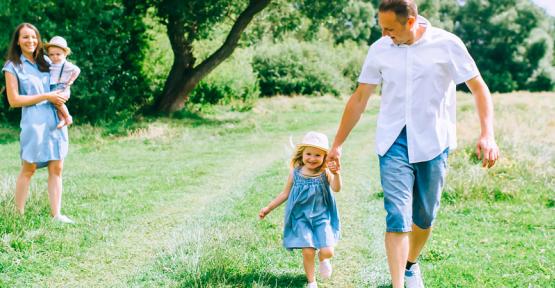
175	203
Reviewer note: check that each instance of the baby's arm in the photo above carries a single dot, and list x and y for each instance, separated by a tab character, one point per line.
74	75
334	176
282	197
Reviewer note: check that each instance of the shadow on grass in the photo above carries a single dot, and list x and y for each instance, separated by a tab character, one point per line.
196	119
216	277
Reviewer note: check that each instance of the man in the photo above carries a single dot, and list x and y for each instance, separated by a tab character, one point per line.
418	66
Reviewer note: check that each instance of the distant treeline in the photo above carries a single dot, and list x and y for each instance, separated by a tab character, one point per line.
290	47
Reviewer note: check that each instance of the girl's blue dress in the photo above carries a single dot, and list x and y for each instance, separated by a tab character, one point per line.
40	140
311	217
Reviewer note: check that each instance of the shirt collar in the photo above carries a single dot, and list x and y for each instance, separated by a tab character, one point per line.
23	59
421	21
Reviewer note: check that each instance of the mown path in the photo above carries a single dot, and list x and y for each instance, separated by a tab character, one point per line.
202	187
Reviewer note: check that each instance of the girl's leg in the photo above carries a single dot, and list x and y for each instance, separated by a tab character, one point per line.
55	168
325	267
308	262
325	253
22	185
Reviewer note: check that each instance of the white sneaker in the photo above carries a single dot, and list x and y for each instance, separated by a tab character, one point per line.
63	219
413	277
312	285
325	268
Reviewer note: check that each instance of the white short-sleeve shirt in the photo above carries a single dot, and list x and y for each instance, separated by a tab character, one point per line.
418	90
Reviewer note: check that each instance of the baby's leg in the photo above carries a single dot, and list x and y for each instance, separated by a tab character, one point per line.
65	118
308	262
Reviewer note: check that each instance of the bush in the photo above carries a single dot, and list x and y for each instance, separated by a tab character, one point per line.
232	83
311	68
106	40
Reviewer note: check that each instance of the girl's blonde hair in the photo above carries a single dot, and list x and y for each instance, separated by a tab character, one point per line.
297	159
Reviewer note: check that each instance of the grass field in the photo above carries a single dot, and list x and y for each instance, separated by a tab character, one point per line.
175	204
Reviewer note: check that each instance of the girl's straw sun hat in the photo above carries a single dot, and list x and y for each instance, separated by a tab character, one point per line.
59	42
316	140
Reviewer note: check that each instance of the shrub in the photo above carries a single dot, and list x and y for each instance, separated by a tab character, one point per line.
106	39
311	68
232	83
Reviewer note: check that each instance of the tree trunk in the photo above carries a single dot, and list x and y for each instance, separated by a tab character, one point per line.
184	76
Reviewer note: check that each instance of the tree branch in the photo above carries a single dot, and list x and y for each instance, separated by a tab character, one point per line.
233	37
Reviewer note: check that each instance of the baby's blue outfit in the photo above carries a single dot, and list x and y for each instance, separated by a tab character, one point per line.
40	140
311	217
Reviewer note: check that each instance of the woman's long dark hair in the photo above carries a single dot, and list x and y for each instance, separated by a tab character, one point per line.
14	51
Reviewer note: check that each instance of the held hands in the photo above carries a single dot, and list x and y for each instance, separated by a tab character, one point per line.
333	157
263	212
487	151
334	167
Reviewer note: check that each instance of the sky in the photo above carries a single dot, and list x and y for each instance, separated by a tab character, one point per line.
548	5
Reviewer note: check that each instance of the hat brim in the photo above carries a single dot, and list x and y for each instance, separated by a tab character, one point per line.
314	146
48	45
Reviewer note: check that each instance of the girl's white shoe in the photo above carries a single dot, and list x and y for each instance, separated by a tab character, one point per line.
325	268
312	285
63	219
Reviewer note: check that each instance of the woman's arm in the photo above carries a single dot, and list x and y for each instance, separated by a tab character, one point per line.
17	100
282	197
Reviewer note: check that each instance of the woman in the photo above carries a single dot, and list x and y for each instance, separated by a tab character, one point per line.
42	144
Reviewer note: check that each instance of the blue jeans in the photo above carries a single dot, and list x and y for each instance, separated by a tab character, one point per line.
412	192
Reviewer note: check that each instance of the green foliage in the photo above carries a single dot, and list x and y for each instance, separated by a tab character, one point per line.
233	82
294	67
509	42
354	23
106	40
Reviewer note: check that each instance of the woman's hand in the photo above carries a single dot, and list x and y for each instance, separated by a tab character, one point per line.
56	98
263	212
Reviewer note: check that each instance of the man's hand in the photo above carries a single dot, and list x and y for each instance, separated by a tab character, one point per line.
487	151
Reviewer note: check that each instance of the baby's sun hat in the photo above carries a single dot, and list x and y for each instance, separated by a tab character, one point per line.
58	41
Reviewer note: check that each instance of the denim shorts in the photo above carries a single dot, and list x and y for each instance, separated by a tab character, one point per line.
411	191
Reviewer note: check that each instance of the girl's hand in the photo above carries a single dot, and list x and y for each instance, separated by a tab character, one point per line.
56	98
334	168
263	212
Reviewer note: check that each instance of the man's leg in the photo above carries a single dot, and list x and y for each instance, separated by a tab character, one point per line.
417	240
397	179
397	249
429	180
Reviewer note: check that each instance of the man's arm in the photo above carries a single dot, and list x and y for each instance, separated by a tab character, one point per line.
351	115
486	148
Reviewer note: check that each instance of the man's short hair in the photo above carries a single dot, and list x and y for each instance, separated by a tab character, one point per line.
402	9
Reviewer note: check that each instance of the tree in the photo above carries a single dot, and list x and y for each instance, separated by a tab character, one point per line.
103	36
190	21
503	36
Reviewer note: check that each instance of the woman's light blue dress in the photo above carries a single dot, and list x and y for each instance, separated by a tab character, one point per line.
40	140
311	217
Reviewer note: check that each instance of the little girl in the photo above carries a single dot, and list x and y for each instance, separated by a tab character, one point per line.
311	217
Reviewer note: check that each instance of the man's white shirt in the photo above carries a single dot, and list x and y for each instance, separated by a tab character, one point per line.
418	90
